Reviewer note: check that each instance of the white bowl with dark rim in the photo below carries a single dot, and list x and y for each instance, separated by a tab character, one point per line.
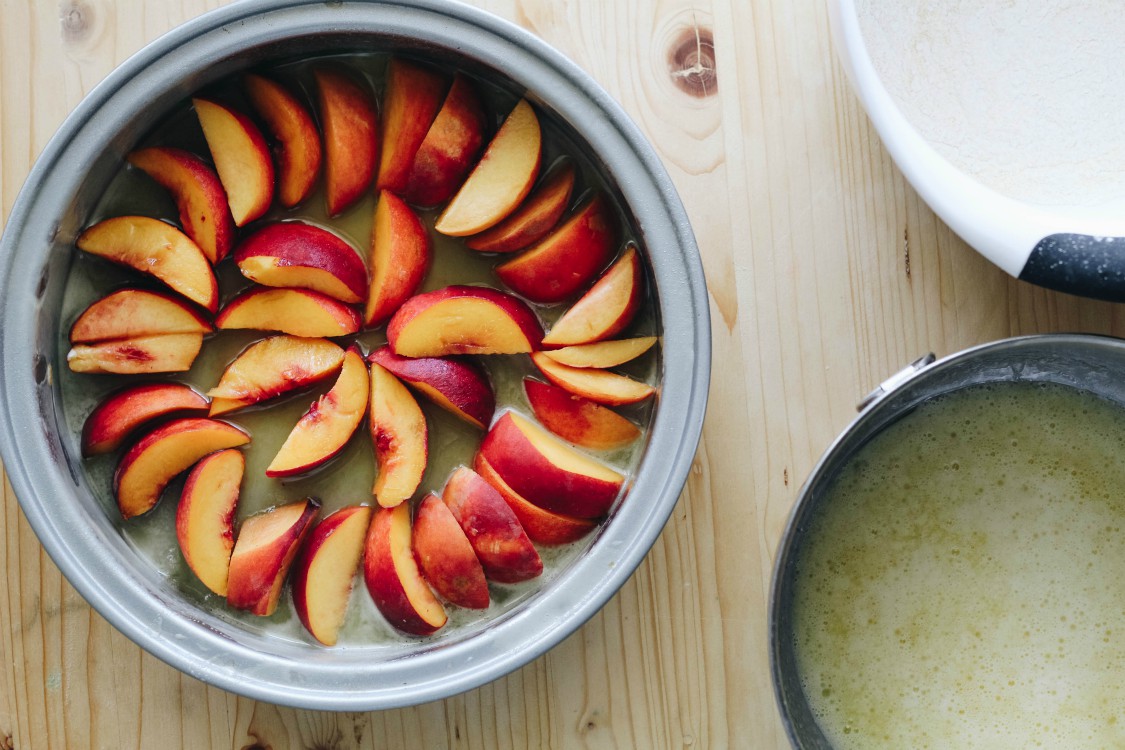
1066	248
42	456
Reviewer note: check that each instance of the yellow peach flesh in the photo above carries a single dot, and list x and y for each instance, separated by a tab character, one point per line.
271	271
148	471
561	455
153	247
418	593
602	386
241	159
331	575
293	311
145	354
328	424
275	365
398	430
598	312
203	518
602	353
501	179
462	325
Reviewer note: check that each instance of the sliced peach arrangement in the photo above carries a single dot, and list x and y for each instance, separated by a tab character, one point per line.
400	257
299	152
199	196
567	259
457	385
153	247
450	147
295	254
150	464
266	546
329	423
412	100
325	571
298	312
534	218
350	123
463	320
423	159
135	331
205	516
242	159
502	178
272	367
123	412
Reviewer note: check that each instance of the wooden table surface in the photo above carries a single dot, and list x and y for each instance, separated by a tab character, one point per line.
826	273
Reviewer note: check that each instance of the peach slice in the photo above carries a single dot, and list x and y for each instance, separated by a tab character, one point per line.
445	556
153	247
299	312
266	546
411	101
578	420
535	217
398	432
141	355
542	526
567	259
602	386
298	143
327	426
351	138
295	254
400	256
392	576
205	516
548	472
449	148
130	313
147	467
459	386
501	544
241	156
120	414
325	571
199	195
463	320
271	367
606	309
502	178
602	354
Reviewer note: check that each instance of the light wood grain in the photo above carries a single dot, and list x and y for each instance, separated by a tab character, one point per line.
826	273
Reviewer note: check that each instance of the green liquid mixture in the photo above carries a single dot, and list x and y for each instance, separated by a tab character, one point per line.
348	478
963	586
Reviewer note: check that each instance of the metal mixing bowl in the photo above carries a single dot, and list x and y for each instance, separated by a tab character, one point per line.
42	458
1094	364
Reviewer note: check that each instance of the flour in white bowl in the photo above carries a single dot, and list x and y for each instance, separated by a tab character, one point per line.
1027	96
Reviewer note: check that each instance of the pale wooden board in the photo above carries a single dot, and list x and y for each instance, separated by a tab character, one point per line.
826	274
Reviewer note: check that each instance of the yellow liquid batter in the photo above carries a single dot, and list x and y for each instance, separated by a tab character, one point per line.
965	584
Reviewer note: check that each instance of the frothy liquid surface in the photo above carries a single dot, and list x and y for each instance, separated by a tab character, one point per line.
965	585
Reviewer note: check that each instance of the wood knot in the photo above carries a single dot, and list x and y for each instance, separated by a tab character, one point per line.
7	743
691	62
76	19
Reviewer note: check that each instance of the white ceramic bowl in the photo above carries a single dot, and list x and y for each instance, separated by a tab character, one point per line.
1066	248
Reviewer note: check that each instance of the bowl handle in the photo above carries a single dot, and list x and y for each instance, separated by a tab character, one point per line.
1079	264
